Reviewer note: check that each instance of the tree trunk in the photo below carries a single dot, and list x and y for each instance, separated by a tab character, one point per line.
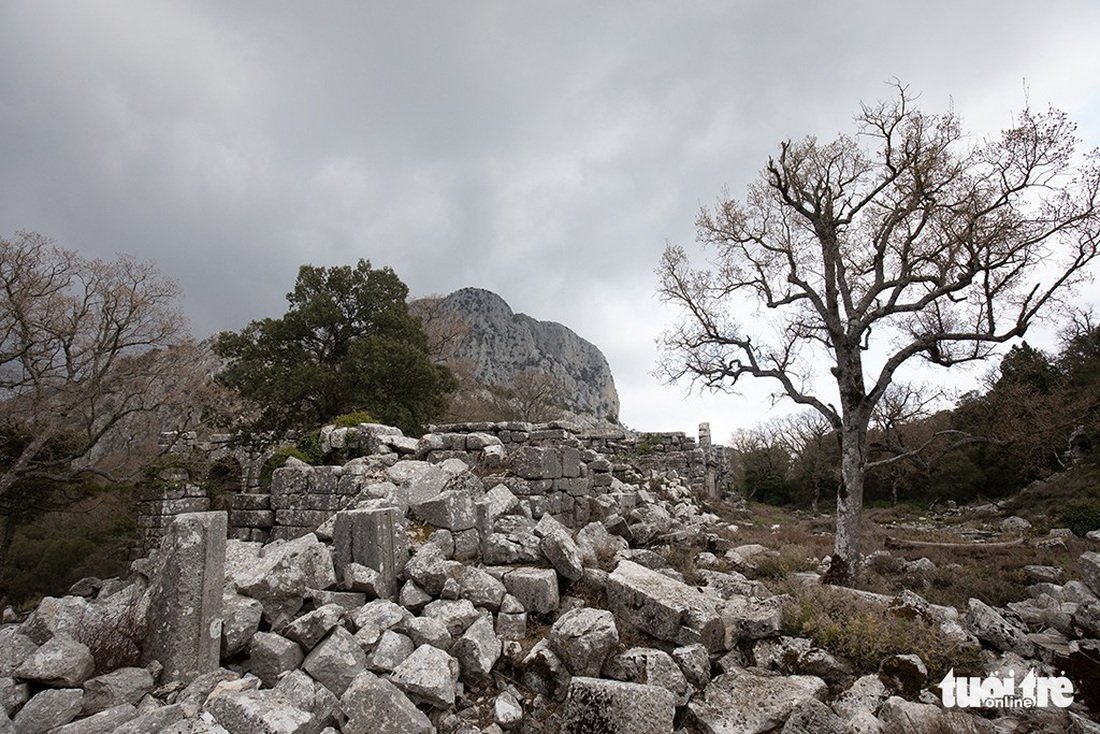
844	570
5	547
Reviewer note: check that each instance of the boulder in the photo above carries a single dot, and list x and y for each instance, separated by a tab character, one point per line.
336	661
283	574
121	686
749	702
240	620
310	628
390	651
48	709
583	638
477	650
62	663
429	675
272	654
989	626
665	608
1089	566
107	721
373	705
650	666
535	588
258	711
616	707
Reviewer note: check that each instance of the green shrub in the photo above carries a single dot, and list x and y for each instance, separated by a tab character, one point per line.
352	420
1081	516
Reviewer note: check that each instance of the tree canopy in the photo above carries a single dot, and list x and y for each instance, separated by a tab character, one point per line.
347	343
911	241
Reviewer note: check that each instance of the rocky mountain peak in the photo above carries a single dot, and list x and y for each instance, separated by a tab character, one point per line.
500	344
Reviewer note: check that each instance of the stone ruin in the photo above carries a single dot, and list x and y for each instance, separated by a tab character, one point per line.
554	468
454	588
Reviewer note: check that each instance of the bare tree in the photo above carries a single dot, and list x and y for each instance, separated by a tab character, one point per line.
909	242
87	350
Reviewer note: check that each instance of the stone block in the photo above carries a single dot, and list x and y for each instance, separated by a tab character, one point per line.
374	538
452	509
61	662
185	601
48	709
665	608
429	675
615	707
272	655
535	588
373	705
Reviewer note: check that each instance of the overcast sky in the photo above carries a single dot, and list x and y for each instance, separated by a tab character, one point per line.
545	151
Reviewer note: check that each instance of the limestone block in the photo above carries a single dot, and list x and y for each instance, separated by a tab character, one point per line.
535	588
272	654
477	649
457	614
536	462
240	620
742	701
479	587
650	666
429	568
991	627
811	716
12	695
1089	565
614	707
560	548
866	694
258	711
452	509
543	671
390	650
583	638
69	615
122	686
507	710
373	705
665	608
511	626
375	538
429	631
748	618
48	709
62	662
310	628
694	662
382	614
284	574
156	720
335	661
429	675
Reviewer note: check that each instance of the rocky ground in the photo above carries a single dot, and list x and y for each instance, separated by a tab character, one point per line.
661	617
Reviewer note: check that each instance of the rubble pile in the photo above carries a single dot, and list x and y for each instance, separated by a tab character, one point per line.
492	586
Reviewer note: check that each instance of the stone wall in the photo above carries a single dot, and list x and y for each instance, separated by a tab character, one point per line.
552	468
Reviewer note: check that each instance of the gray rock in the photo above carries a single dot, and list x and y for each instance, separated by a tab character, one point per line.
1089	566
413	597
310	696
281	577
650	666
1014	524
271	655
667	609
185	597
429	675
68	615
457	614
390	651
266	712
694	662
381	614
583	638
310	628
899	716
477	650
121	686
479	587
12	695
507	710
428	631
535	588
48	709
990	627
373	705
452	509
597	546
241	617
543	671
747	618
747	702
811	716
905	675
107	721
195	694
374	538
429	568
61	662
615	707
15	647
335	661
511	625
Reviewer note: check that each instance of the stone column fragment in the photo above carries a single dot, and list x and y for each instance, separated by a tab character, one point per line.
185	597
374	538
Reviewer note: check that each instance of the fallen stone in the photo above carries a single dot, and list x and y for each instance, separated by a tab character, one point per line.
990	627
240	620
48	709
15	647
428	631
271	655
381	614
457	614
583	638
373	705
107	721
390	651
374	538
694	662
335	661
810	716
1089	566
747	618
310	628
650	666
62	662
667	609
258	711
477	650
615	707
507	710
429	675
542	671
898	716
121	686
535	588
452	509
12	695
283	575
747	702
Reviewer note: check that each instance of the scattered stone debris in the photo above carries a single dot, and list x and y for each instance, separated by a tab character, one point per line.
497	578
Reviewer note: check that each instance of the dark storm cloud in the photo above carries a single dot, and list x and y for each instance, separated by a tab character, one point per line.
543	151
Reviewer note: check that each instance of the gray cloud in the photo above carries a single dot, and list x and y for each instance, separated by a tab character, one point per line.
543	151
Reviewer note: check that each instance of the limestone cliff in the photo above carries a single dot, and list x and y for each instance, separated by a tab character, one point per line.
500	344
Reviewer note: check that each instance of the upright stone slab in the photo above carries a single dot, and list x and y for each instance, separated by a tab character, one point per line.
185	597
374	538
